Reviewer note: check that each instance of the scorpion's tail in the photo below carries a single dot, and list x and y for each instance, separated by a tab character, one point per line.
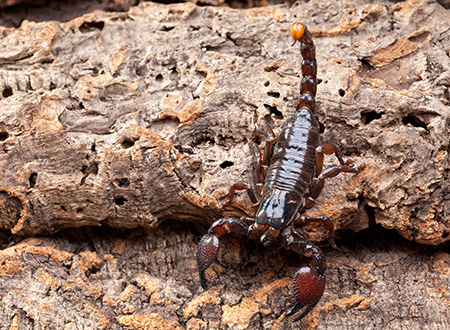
308	85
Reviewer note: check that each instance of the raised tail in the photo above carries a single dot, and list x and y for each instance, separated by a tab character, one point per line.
308	85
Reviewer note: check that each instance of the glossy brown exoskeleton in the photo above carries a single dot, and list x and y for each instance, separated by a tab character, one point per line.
290	178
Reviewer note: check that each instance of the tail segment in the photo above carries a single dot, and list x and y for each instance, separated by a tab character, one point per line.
308	85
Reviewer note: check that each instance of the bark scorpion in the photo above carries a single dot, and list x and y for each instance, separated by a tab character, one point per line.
289	179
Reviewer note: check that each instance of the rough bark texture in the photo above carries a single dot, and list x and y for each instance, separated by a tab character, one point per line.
128	119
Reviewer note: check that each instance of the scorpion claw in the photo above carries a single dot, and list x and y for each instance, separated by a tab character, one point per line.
207	251
308	286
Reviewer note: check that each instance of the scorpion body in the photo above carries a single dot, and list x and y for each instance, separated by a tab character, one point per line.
289	178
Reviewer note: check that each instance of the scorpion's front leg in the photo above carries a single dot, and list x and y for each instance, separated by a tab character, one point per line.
308	283
208	247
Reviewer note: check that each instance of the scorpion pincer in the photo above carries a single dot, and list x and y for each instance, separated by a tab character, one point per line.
289	179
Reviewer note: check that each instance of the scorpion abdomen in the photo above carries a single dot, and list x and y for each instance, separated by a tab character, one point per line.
293	163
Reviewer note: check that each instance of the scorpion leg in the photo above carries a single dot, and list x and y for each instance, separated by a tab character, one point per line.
330	172
345	166
325	221
269	139
257	165
241	185
328	149
208	247
308	283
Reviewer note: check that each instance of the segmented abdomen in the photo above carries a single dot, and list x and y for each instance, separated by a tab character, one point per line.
293	163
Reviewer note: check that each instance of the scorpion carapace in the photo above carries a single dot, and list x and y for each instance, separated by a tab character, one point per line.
289	178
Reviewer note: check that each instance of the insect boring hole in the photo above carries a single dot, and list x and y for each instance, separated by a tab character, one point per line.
321	127
414	122
120	200
91	26
226	164
32	179
3	136
7	92
127	143
274	94
369	116
274	111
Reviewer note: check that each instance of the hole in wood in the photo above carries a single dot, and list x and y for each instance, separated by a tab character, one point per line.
370	213
321	128
32	179
91	26
274	111
7	91
421	37
274	94
414	121
367	117
127	143
341	92
3	136
205	139
120	200
226	164
271	68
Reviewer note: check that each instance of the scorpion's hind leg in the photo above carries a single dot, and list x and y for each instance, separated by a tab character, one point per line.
325	221
308	283
208	247
328	149
344	167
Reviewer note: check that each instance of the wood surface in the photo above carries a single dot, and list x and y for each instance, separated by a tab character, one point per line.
122	131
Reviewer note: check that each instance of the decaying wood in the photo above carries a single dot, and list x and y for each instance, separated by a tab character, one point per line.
128	119
108	280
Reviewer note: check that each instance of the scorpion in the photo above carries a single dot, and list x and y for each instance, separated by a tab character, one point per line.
289	179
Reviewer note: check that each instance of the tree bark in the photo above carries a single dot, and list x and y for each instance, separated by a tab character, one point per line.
127	120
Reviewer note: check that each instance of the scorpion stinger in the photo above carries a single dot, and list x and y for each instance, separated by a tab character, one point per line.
289	178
